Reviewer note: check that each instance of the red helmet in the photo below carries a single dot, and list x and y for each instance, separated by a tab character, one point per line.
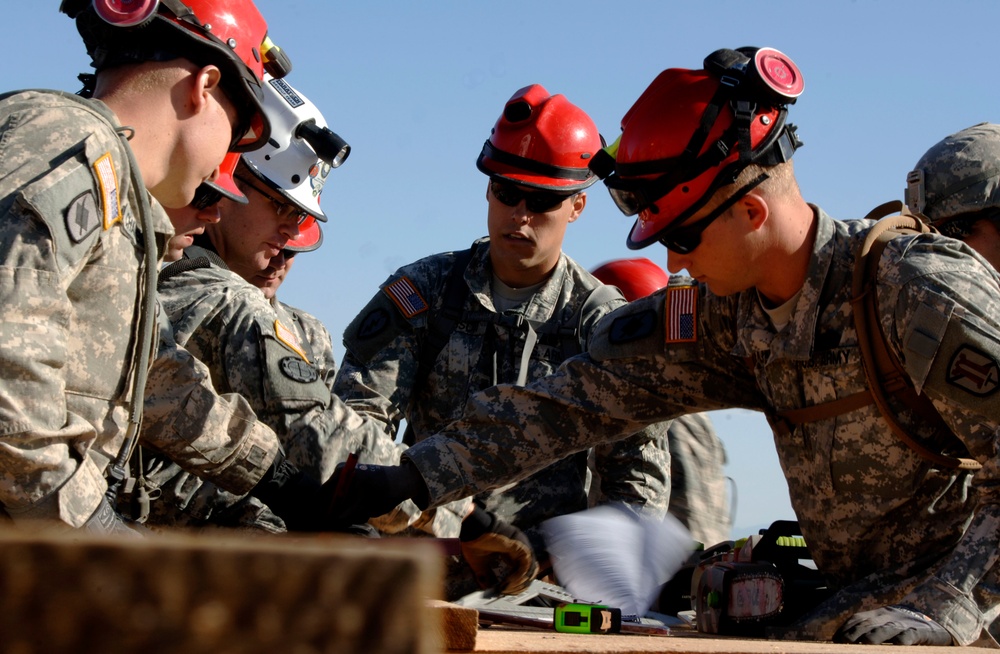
542	141
635	278
693	131
230	34
310	237
224	184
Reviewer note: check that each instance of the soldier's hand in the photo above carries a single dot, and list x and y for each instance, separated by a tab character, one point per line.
493	547
297	498
900	625
372	490
106	521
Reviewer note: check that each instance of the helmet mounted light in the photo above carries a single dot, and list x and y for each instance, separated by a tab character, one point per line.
325	142
693	131
302	150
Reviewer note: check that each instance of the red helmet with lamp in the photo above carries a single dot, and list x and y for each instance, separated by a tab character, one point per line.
542	141
692	132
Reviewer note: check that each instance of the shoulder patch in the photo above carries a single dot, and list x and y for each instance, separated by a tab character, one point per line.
681	311
974	371
405	296
81	217
373	324
632	327
289	338
108	181
298	370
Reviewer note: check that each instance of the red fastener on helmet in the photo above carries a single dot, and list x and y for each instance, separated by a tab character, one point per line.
230	34
635	278
542	141
693	131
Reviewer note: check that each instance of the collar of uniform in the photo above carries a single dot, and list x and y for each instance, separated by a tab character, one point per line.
479	276
796	340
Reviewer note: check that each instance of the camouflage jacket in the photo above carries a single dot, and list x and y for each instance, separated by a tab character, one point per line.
882	523
71	261
383	352
313	332
254	348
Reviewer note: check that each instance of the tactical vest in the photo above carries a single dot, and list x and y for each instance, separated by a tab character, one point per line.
885	374
442	322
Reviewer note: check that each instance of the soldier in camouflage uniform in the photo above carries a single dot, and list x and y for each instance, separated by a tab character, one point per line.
79	263
521	306
910	546
698	495
252	344
956	184
310	329
189	221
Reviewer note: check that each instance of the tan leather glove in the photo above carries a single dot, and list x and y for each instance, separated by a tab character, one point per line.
499	553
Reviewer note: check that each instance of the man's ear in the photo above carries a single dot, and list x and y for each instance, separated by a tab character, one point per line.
579	202
756	208
205	81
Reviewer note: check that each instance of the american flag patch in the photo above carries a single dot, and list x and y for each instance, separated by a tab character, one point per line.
108	182
682	311
405	295
289	338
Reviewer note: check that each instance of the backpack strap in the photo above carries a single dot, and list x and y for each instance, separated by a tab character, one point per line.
885	373
572	333
441	324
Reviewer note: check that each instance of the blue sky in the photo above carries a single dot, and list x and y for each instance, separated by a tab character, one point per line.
415	87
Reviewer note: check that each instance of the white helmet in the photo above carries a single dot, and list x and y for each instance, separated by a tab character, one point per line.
302	150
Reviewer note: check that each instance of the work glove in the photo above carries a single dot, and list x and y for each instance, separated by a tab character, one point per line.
371	490
106	521
296	497
900	625
498	552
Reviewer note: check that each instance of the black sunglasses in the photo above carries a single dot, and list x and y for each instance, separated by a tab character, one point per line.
205	196
685	239
535	201
962	228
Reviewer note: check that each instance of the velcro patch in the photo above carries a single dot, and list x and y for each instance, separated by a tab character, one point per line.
81	217
681	309
973	370
373	324
289	338
108	181
406	297
632	327
298	370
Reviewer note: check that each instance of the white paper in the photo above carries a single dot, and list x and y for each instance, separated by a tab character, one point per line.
613	556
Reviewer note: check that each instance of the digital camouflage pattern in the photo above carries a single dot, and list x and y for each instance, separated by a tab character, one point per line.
71	256
698	495
962	173
379	374
313	332
254	348
881	523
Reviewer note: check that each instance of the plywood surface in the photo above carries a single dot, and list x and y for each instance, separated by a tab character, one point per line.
501	640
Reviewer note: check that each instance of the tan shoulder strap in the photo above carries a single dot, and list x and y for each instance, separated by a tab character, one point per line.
884	372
